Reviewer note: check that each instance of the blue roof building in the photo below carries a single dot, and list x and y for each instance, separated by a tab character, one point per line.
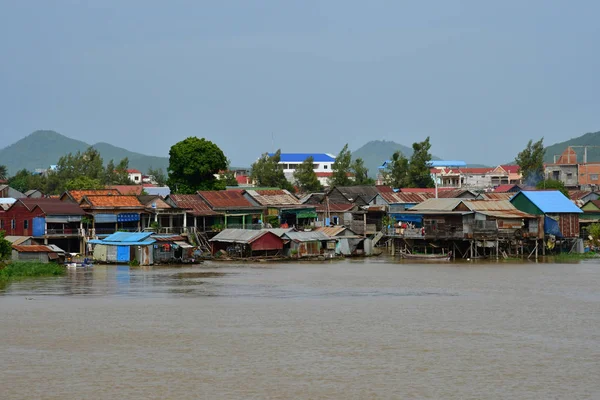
300	157
123	247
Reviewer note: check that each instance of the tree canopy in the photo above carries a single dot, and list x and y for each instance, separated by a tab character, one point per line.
193	163
531	162
396	172
117	174
419	171
5	247
3	172
306	178
361	173
341	167
228	176
267	172
83	183
24	180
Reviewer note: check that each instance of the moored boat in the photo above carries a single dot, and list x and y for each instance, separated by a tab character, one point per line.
433	257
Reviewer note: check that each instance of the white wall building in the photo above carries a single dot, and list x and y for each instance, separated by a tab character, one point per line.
135	176
322	164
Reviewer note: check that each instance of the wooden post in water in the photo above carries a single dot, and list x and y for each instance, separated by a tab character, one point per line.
393	247
497	249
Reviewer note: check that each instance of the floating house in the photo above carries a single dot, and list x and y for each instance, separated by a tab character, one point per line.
171	248
242	243
124	247
309	244
43	254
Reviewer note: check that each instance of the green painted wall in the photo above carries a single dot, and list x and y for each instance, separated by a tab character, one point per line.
590	207
522	203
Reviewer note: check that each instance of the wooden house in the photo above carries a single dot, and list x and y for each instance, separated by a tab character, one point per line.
561	216
242	243
283	205
113	213
237	210
198	214
309	244
38	253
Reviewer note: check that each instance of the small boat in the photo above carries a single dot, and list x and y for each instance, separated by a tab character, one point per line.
86	263
433	257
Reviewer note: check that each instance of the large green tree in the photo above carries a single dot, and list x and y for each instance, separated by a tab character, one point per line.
228	176
267	172
341	168
83	183
419	171
5	247
3	172
24	180
193	164
396	171
117	174
306	178
531	162
361	173
72	166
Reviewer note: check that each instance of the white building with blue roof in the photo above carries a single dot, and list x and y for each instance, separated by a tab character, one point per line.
322	164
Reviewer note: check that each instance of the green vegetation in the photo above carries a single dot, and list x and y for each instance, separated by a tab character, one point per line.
594	231
531	162
401	172
375	152
3	172
158	174
228	176
396	172
25	269
193	163
341	167
134	263
5	247
306	178
267	172
361	173
553	184
566	257
589	139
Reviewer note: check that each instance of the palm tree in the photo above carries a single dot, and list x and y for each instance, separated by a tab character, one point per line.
3	172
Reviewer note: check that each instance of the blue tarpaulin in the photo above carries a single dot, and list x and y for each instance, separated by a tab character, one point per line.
551	227
414	218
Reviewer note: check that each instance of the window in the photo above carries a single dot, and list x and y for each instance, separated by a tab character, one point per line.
26	224
13	224
336	220
569	175
137	178
325	166
594	177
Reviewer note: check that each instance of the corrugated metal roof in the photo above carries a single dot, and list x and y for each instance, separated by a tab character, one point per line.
579	194
333	231
273	197
437	205
307	236
454	193
238	236
226	199
489	205
193	204
168	238
367	193
127	236
17	240
279	231
551	202
131	190
505	188
334	207
162	191
495	196
405	198
55	248
110	243
516	214
32	249
52	206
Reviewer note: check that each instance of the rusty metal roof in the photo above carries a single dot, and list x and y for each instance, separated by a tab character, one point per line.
579	194
404	197
496	196
32	249
333	230
278	197
193	204
512	214
454	193
168	238
506	188
225	199
334	207
135	190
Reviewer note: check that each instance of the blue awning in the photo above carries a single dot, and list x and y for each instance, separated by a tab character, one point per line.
128	217
415	218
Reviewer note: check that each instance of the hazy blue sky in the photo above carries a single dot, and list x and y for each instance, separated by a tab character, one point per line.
479	77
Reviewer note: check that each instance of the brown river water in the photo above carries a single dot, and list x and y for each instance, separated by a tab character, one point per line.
365	329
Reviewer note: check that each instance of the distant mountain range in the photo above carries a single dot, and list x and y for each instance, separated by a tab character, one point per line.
44	148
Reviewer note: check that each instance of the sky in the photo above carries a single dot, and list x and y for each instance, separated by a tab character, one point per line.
480	78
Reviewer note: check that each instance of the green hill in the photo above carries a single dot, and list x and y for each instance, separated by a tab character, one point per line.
43	148
589	139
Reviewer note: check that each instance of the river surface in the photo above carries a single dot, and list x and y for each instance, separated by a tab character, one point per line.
366	329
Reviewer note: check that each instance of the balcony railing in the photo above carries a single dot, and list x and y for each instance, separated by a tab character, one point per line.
65	232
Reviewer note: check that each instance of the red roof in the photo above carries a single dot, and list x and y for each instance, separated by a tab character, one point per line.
77	195
52	206
225	199
32	249
511	169
135	190
384	189
453	193
133	171
111	201
423	190
505	188
193	204
243	179
579	194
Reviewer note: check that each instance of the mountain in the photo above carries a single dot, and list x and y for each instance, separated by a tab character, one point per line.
589	139
375	152
43	148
